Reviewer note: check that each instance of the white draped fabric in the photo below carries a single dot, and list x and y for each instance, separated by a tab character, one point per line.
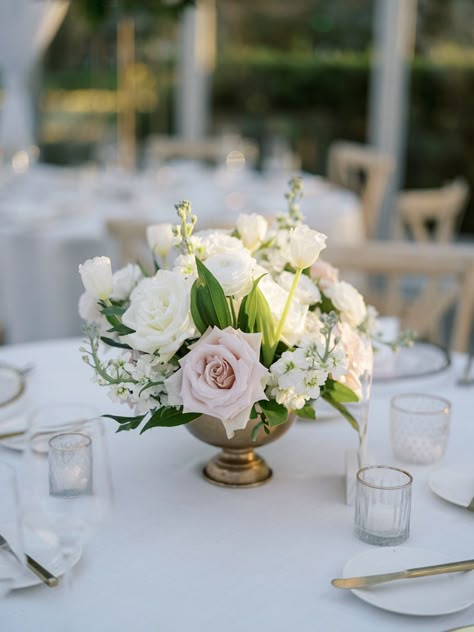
26	29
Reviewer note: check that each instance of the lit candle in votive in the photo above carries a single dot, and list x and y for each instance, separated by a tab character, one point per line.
381	518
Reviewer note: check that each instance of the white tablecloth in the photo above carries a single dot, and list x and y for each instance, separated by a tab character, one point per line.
180	554
52	219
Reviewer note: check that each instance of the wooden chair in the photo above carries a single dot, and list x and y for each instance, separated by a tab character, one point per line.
426	262
365	171
440	210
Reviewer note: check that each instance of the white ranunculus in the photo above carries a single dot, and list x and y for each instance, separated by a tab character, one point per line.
96	276
160	239
124	280
218	242
306	291
348	301
252	229
160	314
305	246
234	271
276	298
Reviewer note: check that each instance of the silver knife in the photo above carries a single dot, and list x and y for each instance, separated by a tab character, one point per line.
423	571
48	578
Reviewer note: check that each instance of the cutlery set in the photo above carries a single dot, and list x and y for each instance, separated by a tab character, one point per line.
46	577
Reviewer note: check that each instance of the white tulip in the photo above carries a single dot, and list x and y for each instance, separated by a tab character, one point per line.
160	239
96	276
252	229
234	271
305	246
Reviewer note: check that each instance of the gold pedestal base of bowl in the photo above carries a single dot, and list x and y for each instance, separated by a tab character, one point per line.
237	465
237	468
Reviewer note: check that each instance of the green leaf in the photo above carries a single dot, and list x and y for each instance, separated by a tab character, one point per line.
242	318
275	413
325	305
307	412
114	310
326	395
256	429
195	312
113	343
340	392
126	423
210	300
122	420
169	416
253	413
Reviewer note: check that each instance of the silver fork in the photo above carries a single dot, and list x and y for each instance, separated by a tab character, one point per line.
48	578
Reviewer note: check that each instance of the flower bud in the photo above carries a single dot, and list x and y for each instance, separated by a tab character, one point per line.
96	276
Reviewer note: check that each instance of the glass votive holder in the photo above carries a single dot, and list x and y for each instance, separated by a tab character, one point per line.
383	503
70	465
419	427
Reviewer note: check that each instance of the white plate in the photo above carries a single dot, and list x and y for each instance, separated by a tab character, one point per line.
46	550
454	483
420	360
12	385
426	596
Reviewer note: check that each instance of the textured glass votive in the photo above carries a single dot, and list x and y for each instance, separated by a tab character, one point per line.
70	465
419	427
383	503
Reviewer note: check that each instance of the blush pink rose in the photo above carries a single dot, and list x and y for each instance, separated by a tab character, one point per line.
221	376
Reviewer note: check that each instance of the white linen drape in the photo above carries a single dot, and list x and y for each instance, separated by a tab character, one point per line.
26	29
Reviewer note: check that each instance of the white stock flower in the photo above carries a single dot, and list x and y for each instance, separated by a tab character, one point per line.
252	229
306	291
348	301
159	313
96	276
186	265
160	238
124	280
305	246
234	271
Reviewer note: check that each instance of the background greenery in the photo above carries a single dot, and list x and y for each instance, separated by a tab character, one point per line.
298	71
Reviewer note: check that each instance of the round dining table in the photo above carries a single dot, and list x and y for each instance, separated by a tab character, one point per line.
180	554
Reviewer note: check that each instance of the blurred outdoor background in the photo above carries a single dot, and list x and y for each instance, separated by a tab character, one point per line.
113	110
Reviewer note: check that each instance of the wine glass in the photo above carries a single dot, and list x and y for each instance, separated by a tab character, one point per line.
68	483
11	536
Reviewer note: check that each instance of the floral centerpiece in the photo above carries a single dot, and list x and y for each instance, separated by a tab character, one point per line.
244	326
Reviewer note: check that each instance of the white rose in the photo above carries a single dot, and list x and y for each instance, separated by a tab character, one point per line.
276	298
159	313
306	291
348	301
96	276
160	239
252	229
124	280
305	246
234	271
218	242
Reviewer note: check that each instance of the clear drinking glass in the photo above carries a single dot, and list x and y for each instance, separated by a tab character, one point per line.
383	503
11	563
68	489
419	427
